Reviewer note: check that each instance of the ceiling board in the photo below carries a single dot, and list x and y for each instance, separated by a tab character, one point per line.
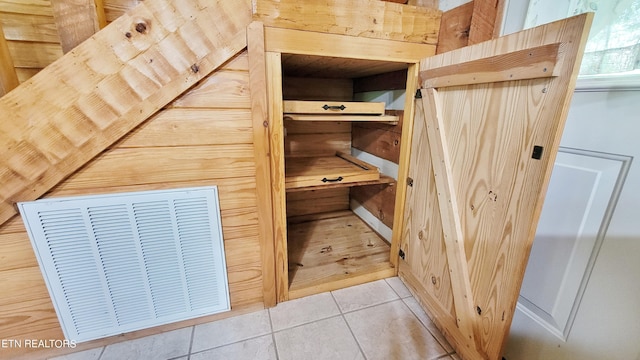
334	67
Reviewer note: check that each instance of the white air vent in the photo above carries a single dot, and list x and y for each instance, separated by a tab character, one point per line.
123	262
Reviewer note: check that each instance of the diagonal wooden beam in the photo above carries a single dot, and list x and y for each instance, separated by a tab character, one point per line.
76	107
450	214
8	77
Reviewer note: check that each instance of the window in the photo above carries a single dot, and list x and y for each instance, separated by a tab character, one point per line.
612	54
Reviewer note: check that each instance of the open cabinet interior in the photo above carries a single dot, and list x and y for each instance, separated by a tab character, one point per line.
340	171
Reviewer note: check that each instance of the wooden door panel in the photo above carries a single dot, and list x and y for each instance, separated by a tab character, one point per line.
482	154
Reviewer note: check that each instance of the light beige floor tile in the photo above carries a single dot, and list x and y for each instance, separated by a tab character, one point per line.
398	286
415	307
91	354
155	347
301	311
392	331
230	330
325	339
361	296
261	348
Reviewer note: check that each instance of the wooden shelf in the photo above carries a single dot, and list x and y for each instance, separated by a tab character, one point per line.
337	111
335	171
383	180
387	119
333	107
333	250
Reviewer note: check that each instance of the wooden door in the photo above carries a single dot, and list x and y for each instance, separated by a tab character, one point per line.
486	131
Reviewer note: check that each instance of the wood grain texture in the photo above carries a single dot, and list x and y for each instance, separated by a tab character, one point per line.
260	121
403	163
335	66
333	107
8	76
116	83
25	27
28	54
532	63
26	311
486	20
454	28
382	20
395	80
379	200
192	126
296	88
381	140
320	144
75	20
333	252
277	163
426	3
113	9
492	129
321	44
449	214
317	201
303	172
228	89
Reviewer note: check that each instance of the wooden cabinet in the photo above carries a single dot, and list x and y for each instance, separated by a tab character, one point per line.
477	147
325	238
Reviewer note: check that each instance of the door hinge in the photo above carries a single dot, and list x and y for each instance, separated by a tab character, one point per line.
418	94
410	181
401	254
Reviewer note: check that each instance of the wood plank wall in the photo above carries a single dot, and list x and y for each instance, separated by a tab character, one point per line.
203	138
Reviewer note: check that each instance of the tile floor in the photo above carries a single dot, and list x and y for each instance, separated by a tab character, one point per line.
378	320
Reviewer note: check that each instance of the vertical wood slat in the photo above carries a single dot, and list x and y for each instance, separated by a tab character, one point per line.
276	137
97	93
449	212
260	117
101	16
454	28
75	20
486	20
403	163
8	76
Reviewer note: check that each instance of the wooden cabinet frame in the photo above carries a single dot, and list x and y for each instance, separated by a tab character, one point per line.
284	41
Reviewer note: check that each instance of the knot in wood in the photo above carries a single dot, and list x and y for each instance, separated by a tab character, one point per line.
195	68
141	27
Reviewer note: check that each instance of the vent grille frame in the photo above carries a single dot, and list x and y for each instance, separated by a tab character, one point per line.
122	262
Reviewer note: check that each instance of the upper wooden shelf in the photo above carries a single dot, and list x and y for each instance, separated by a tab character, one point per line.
337	111
331	171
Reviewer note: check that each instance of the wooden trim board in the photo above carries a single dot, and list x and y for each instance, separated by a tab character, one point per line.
260	119
534	63
313	43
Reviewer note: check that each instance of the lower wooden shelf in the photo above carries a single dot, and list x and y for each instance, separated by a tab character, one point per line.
305	172
333	250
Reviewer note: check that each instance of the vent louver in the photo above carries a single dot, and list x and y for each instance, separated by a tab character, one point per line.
123	262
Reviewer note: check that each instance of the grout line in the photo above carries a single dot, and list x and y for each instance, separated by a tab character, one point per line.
193	332
444	345
102	352
273	336
348	326
392	289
